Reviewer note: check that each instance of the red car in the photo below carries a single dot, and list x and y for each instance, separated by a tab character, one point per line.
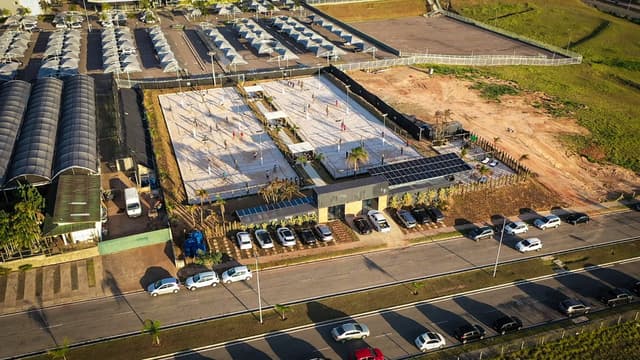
368	354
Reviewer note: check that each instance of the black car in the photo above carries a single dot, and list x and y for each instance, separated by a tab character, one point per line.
420	214
481	233
362	225
636	206
307	236
506	324
617	296
577	218
468	332
435	214
636	287
406	219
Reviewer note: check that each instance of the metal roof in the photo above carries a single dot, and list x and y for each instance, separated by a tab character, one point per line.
34	150
14	96
76	148
420	170
77	205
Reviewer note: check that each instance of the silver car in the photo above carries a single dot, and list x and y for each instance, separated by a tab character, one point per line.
350	331
324	232
238	273
286	237
164	286
264	239
203	279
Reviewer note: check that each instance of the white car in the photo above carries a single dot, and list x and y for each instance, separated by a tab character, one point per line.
238	273
429	341
493	163
244	240
286	237
379	221
486	160
350	331
550	221
530	244
203	279
164	286
514	228
264	239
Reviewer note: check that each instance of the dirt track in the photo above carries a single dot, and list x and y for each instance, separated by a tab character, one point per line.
536	133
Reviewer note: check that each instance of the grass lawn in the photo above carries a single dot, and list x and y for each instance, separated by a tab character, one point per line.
227	329
602	92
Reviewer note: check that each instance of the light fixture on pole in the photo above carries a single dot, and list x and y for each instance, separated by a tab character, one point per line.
213	69
495	267
255	254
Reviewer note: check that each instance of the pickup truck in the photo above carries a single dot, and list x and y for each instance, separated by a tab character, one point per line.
615	297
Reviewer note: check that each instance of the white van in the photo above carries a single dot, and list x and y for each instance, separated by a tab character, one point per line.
132	202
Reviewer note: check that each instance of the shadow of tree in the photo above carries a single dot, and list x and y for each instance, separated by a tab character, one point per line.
319	313
241	350
485	313
407	328
286	346
152	274
447	321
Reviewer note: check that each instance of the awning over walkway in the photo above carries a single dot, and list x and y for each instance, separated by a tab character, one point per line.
253	89
299	148
275	115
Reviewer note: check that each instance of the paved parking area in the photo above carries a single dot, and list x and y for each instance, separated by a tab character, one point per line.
474	157
334	124
220	145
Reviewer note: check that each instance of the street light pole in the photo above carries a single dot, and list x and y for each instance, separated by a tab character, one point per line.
213	69
347	97
258	278
495	267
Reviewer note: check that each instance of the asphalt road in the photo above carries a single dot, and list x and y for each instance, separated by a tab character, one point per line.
37	329
393	331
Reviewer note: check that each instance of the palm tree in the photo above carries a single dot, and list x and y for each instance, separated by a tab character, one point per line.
356	156
395	203
415	286
289	190
152	327
202	194
447	115
220	204
422	197
495	141
61	351
407	199
281	309
192	210
524	157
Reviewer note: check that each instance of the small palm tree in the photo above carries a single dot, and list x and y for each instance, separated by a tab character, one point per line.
422	197
61	351
524	157
395	203
281	309
356	156
495	141
203	195
484	170
152	327
416	286
220	204
407	200
192	211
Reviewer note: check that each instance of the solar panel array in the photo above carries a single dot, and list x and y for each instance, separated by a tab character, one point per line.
421	169
269	207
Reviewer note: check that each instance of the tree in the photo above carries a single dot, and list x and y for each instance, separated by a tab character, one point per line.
447	115
202	194
280	189
192	211
416	286
464	152
524	157
144	4
407	199
5	12
422	197
495	141
484	170
356	156
152	327
27	217
281	309
395	203
208	259
220	204
61	351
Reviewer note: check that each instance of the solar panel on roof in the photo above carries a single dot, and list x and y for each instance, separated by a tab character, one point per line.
421	169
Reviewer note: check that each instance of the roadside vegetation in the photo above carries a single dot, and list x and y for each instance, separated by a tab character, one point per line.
602	92
235	327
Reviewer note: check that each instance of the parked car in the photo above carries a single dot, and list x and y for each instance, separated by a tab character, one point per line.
244	240
323	232
636	287
481	233
379	221
617	296
237	273
420	214
577	218
164	286
486	160
636	206
549	221
286	237
203	279
406	218
493	163
350	331
362	225
469	332
307	236
506	324
517	227
368	353
435	214
264	239
430	341
531	244
573	307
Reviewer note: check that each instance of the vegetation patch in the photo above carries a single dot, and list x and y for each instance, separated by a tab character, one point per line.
91	273
494	91
375	10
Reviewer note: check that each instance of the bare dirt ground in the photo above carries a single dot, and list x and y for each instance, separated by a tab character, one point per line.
536	133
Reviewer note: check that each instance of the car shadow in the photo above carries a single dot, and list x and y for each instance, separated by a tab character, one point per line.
611	276
528	215
286	346
584	286
152	274
545	295
485	313
464	226
318	313
407	328
242	350
446	320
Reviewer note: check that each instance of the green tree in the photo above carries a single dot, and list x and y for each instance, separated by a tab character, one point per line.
27	218
356	156
192	209
280	189
395	203
220	202
208	259
281	309
144	4
484	170
152	327
61	351
416	286
407	199
422	197
203	195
